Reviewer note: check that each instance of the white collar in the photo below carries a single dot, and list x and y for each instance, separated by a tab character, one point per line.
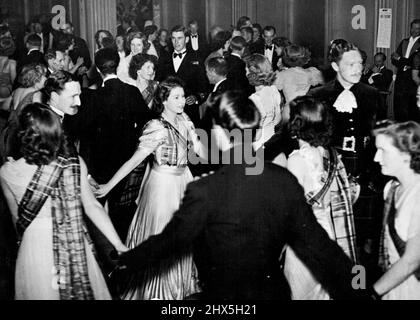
57	111
414	39
218	84
109	77
235	54
183	51
33	49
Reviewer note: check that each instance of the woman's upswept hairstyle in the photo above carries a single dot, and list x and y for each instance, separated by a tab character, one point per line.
163	91
260	70
41	135
137	63
310	121
31	74
406	138
296	56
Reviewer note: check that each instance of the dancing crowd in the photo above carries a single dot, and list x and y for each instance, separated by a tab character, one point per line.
172	168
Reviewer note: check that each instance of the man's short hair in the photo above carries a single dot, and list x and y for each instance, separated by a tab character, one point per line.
270	28
193	22
219	65
51	54
56	82
338	48
382	55
247	30
34	40
179	28
415	21
237	43
107	60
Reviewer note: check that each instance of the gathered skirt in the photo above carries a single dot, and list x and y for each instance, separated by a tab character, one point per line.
160	197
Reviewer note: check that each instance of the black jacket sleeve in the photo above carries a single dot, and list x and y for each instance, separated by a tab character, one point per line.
176	238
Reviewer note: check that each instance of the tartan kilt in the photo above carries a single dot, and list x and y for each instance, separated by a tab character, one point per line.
132	186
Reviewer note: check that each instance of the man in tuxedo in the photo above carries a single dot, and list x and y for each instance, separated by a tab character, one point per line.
405	107
34	55
380	77
197	43
55	61
185	65
80	47
237	67
108	128
238	225
268	50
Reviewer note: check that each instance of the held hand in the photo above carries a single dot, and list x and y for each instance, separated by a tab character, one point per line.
102	191
82	70
191	100
80	61
121	248
375	69
395	56
92	183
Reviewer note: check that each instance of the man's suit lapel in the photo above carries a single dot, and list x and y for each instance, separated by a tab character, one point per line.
185	63
416	46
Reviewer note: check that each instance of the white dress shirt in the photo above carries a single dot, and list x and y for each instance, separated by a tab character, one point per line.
194	42
269	53
410	46
109	77
41	35
218	84
177	61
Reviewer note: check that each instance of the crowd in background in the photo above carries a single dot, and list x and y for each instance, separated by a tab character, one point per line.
98	181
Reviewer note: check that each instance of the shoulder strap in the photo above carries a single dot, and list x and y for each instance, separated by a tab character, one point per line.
398	242
331	173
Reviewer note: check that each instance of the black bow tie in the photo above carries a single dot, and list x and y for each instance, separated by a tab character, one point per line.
178	54
269	47
194	36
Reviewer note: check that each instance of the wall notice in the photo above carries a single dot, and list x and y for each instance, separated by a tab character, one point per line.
384	28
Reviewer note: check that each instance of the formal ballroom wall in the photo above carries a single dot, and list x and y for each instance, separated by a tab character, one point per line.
310	22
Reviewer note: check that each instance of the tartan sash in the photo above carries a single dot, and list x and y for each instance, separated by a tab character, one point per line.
61	182
340	209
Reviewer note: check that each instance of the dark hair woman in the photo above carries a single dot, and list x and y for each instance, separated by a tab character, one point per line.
142	69
168	140
324	180
48	192
399	157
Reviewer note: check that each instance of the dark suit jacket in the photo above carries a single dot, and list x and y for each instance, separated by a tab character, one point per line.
108	126
401	50
261	48
383	80
192	72
237	75
359	123
238	225
203	47
35	56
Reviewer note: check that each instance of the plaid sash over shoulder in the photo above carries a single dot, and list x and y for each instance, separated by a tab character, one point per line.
61	182
341	209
